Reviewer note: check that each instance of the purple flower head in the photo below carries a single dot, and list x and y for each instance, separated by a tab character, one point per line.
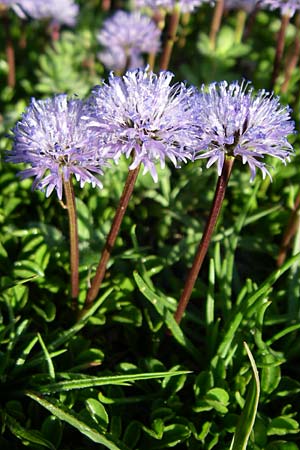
184	5
245	5
287	7
125	37
237	123
54	139
58	11
142	116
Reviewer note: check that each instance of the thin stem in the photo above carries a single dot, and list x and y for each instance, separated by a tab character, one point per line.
10	52
279	49
73	230
151	60
206	238
290	232
106	5
112	236
251	22
170	39
240	26
185	20
216	23
293	57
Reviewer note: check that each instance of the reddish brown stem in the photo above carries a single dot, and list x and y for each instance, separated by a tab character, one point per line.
279	49
293	57
170	39
290	232
73	231
10	52
106	5
206	238
216	23
112	236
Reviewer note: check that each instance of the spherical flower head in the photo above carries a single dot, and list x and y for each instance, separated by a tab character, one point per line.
58	11
245	5
237	123
143	116
185	6
125	37
287	7
54	139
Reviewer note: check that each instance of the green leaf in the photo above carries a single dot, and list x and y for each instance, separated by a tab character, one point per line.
98	412
88	382
162	307
282	425
247	418
27	436
70	417
132	434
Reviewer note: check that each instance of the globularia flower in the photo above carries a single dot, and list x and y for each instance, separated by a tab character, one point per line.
245	5
54	139
125	37
184	5
142	116
287	7
237	123
58	11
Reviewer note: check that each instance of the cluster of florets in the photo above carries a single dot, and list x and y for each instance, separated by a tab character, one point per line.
144	117
58	11
287	7
242	125
245	5
125	37
185	6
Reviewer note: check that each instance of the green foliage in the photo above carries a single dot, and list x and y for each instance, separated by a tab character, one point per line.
124	375
68	66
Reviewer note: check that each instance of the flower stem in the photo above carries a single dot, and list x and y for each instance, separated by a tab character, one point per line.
73	230
170	39
112	236
290	232
279	49
240	26
10	52
293	58
216	23
206	238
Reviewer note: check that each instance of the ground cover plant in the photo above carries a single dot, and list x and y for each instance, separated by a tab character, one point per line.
149	224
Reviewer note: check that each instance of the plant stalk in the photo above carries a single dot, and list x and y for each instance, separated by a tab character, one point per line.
293	58
170	39
216	23
240	26
10	52
112	236
73	231
290	232
285	19
206	238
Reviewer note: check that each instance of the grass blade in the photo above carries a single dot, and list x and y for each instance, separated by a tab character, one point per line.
64	414
247	418
89	382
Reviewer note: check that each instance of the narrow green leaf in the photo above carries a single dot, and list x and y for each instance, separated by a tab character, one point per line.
47	357
70	417
87	382
247	418
32	436
68	334
161	307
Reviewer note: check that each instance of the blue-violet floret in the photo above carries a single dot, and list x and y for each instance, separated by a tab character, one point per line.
238	123
143	116
55	140
125	37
